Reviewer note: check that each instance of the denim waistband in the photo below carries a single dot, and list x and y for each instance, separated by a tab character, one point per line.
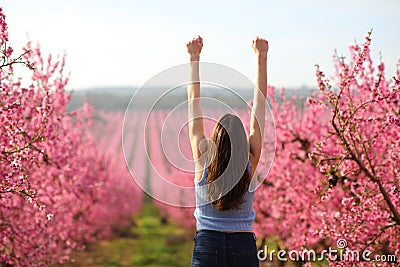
226	234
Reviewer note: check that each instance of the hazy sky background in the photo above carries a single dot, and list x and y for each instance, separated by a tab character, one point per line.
125	43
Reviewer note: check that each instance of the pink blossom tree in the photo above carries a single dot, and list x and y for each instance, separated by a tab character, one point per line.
54	180
336	170
360	151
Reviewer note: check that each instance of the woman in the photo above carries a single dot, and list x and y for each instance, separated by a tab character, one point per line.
224	212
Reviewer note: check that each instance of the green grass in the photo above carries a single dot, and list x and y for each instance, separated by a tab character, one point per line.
150	244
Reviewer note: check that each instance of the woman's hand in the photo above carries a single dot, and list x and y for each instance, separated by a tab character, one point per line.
260	46
194	48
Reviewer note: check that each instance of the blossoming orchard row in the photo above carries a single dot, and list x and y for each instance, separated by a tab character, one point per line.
64	181
58	190
336	170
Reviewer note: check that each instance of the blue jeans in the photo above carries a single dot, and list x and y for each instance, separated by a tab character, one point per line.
222	249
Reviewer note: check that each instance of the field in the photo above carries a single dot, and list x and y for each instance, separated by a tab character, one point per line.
149	242
111	184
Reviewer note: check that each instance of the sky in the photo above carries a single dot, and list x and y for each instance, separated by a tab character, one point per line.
125	43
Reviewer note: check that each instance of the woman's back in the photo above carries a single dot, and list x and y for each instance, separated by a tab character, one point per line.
208	217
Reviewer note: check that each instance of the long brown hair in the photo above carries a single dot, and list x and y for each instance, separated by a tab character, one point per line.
228	177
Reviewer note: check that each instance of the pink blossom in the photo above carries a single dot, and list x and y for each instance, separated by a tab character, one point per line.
59	189
299	204
9	51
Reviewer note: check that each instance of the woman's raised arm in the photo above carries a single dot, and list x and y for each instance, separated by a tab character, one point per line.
195	116
257	120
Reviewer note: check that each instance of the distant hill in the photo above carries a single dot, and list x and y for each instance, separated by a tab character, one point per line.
118	98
